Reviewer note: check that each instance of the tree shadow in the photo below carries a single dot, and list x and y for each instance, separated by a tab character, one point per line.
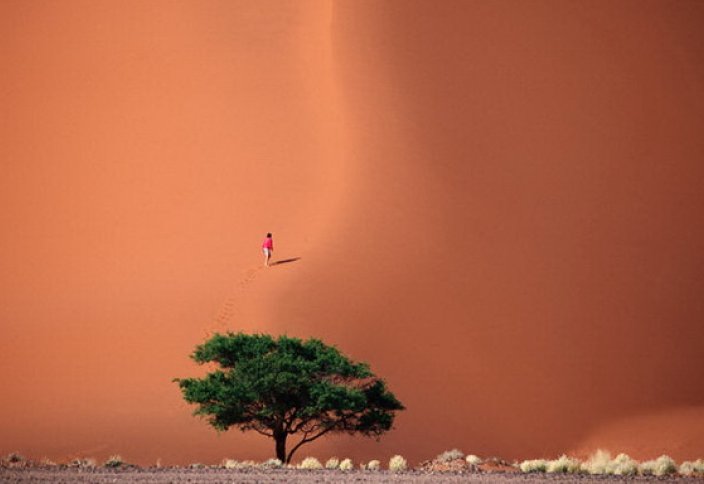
285	261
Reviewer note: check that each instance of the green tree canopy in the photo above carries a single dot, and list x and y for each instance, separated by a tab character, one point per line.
285	386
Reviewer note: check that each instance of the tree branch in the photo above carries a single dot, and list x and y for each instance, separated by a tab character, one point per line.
305	440
301	424
262	432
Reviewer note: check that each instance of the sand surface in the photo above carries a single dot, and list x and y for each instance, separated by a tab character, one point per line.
496	204
245	476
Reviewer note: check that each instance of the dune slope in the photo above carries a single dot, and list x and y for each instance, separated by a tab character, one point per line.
520	251
496	204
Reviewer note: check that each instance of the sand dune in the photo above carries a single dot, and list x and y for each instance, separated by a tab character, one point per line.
496	204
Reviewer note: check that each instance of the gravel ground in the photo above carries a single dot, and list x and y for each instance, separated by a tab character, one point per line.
217	475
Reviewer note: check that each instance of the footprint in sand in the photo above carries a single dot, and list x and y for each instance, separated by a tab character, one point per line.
229	308
249	276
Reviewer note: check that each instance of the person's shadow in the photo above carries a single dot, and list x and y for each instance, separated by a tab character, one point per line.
284	261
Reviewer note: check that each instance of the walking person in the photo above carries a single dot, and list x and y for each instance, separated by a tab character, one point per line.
267	248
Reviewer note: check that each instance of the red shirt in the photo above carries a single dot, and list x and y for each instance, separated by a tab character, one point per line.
268	243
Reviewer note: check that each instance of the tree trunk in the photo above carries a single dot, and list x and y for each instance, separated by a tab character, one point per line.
280	438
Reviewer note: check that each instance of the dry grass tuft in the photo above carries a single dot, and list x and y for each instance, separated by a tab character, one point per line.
397	464
473	460
310	463
373	465
623	465
601	463
534	465
563	465
14	459
271	464
661	466
450	455
235	464
83	463
346	465
598	463
689	468
332	463
114	461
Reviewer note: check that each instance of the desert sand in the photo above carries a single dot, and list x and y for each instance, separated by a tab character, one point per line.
152	476
496	204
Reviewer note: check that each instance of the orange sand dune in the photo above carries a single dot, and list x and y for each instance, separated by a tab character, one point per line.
496	204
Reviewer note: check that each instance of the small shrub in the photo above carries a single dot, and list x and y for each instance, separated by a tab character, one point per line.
83	463
598	463
535	465
114	461
473	460
47	462
310	463
450	455
687	468
272	464
623	465
646	467
497	461
14	458
346	465
661	466
332	463
372	465
397	464
666	465
234	464
563	464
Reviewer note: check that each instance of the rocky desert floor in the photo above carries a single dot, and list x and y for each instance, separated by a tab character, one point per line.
220	475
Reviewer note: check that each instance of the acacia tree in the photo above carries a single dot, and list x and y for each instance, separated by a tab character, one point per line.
286	386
